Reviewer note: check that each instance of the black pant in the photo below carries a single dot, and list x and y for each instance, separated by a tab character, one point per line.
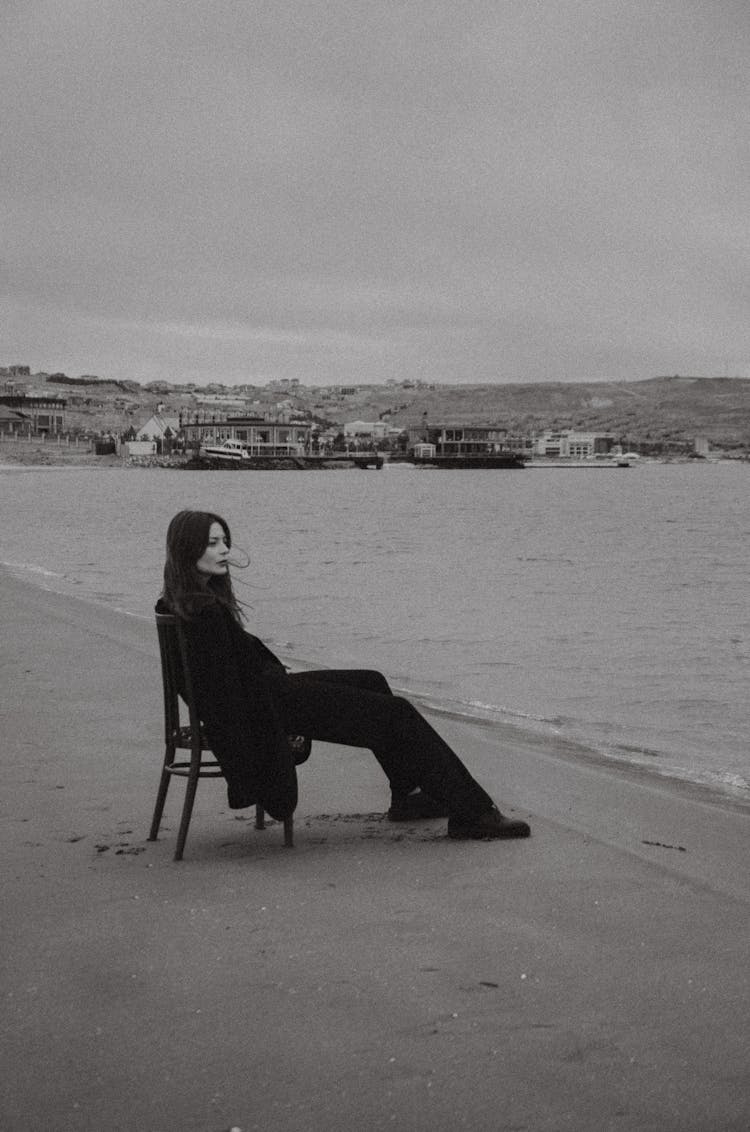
357	708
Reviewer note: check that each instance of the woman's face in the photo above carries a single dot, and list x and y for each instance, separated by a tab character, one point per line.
214	557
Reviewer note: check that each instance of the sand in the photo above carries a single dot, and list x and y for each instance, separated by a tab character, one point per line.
593	977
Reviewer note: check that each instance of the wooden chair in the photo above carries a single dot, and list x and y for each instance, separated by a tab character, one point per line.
187	737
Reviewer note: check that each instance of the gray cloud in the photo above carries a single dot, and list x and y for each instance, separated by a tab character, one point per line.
348	191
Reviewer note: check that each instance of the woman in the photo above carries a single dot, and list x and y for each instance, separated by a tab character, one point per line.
249	704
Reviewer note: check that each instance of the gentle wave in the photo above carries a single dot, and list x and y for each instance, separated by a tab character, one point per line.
526	725
477	710
646	759
30	568
611	614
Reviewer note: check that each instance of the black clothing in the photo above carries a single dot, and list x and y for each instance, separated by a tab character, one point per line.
228	671
249	706
358	708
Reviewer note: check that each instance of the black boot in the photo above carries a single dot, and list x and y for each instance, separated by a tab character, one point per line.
487	826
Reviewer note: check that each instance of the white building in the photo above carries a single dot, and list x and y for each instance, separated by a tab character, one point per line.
220	400
571	445
158	426
374	430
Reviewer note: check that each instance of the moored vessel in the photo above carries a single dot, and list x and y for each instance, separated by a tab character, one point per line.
488	460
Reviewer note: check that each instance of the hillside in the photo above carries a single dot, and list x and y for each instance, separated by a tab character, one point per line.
663	408
658	411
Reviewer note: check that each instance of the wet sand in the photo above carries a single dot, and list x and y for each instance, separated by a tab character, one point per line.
593	977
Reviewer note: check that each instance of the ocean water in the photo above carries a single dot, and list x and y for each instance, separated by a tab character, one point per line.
606	607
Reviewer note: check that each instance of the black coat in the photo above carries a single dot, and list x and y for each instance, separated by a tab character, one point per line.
229	671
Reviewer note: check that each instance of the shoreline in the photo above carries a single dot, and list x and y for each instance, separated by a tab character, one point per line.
51	455
568	749
137	630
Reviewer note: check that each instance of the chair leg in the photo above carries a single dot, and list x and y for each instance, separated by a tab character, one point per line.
289	833
260	817
187	809
161	798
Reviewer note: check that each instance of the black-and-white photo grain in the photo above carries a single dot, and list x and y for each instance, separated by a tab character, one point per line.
374	480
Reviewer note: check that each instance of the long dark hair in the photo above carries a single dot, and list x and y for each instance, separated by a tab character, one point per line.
186	590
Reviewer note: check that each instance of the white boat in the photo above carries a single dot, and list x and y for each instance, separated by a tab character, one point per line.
231	451
598	461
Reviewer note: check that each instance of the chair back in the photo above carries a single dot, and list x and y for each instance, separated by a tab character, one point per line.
175	678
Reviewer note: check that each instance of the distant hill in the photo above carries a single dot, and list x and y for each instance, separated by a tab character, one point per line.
656	410
660	411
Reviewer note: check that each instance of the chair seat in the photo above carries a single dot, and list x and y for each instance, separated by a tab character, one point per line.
182	737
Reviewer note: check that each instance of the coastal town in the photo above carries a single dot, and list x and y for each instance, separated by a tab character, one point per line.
54	418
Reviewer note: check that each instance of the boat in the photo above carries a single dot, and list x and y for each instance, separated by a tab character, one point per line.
229	452
584	462
481	460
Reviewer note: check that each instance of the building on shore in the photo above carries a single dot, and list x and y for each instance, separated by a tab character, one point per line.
365	430
12	421
42	413
261	437
467	440
370	434
571	445
218	401
159	427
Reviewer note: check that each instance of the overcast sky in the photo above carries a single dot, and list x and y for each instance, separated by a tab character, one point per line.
358	190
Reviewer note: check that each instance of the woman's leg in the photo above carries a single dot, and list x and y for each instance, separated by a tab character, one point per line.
357	708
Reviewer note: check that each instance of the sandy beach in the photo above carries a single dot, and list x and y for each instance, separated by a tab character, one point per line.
594	977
